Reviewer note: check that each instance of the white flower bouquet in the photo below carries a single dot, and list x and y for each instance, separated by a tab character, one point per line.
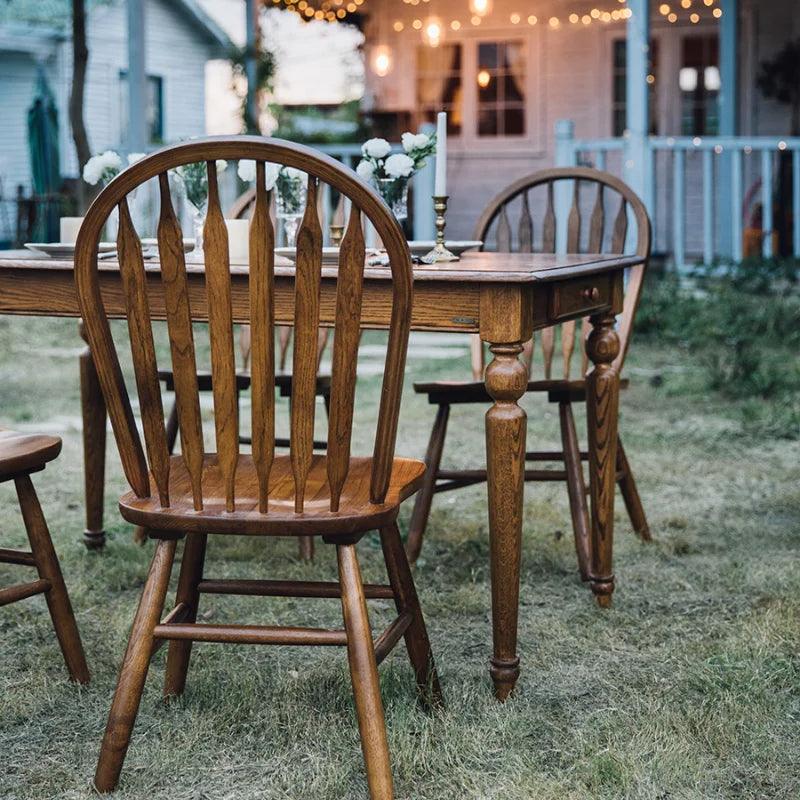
390	172
104	167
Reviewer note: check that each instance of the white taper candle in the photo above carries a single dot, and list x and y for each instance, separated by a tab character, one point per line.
440	186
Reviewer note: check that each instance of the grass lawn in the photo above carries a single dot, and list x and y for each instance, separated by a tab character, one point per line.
689	687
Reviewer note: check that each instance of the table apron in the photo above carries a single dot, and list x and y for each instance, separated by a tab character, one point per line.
452	306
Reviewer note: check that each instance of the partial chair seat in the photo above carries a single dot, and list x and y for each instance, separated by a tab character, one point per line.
25	452
356	514
454	392
283	382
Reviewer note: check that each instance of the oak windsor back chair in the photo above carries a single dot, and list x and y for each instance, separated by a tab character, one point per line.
337	496
495	226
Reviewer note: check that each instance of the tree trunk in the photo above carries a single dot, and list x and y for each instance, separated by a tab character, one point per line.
80	58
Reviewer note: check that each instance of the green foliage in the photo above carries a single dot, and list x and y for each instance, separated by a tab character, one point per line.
346	112
265	72
742	326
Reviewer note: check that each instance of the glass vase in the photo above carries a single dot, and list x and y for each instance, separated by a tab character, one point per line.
198	223
394	192
291	204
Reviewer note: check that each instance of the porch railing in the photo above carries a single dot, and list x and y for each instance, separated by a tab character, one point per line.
710	198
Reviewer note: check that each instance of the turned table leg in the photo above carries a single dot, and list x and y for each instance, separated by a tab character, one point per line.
93	408
506	380
602	405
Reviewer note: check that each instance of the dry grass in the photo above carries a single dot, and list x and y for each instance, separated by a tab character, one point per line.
689	687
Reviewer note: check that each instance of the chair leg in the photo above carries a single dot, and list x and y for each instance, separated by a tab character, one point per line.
416	636
576	487
364	674
48	567
172	428
134	669
180	651
630	495
422	503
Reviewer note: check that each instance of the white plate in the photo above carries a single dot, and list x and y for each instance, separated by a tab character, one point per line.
64	249
188	244
420	248
330	255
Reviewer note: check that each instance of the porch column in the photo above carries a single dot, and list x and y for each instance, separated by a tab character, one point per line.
136	139
728	63
251	50
638	169
728	116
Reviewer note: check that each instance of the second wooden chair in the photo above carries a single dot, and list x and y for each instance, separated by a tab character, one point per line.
495	226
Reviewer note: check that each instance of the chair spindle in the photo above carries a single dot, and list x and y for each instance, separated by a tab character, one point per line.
349	290
181	339
220	325
143	350
262	335
304	365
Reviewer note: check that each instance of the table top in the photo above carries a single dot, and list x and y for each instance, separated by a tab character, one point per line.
477	267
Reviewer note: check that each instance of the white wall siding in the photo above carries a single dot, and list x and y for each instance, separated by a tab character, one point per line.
176	52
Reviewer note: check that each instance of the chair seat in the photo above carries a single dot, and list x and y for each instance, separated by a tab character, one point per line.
454	392
283	382
356	514
25	452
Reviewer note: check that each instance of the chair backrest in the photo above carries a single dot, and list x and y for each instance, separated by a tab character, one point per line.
606	232
180	315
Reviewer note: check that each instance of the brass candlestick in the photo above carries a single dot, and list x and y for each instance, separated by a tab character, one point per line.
440	253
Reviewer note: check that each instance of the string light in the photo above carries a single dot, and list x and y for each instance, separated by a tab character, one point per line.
433	29
382	61
480	8
432	32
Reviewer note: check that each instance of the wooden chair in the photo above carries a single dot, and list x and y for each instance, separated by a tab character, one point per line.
336	496
241	208
21	455
495	224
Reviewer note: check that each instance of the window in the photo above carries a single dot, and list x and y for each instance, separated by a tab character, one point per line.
154	106
439	84
501	89
619	103
699	83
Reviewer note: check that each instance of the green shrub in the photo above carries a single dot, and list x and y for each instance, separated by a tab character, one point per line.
742	324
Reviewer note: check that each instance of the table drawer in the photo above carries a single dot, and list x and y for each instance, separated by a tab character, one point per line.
580	297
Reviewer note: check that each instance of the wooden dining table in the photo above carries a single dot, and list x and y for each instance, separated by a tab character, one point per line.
503	297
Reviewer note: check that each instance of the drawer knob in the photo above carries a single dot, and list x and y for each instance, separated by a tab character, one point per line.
591	295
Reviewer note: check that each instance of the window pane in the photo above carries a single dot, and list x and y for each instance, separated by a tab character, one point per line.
513	92
487	56
487	121
514	122
439	84
487	86
501	88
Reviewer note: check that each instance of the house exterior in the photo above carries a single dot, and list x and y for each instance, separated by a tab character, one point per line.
35	34
508	72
